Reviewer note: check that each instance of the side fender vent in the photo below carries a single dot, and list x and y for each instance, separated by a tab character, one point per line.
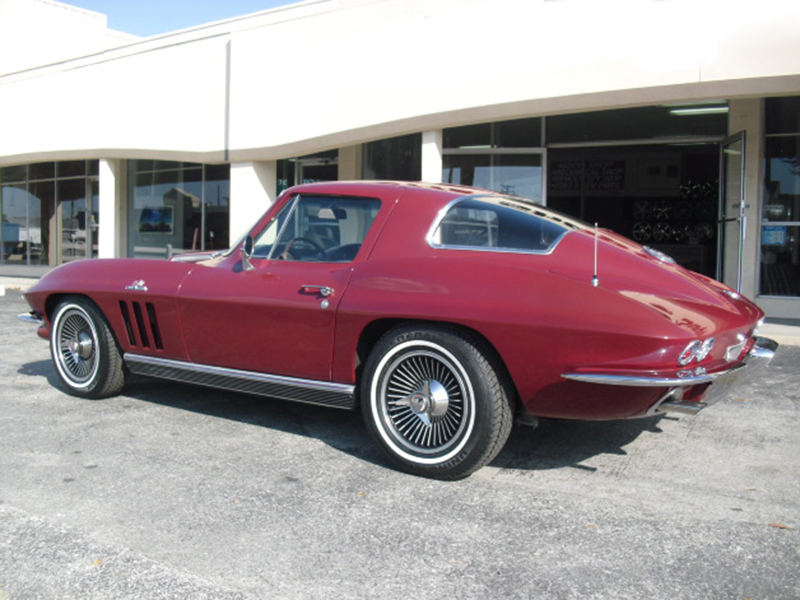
141	324
151	315
126	318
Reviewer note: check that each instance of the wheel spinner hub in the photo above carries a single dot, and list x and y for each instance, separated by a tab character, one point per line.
431	400
82	346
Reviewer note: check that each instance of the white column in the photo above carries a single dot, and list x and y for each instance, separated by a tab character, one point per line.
350	159
432	144
253	189
111	210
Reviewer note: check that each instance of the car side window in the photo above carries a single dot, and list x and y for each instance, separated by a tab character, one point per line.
318	229
500	224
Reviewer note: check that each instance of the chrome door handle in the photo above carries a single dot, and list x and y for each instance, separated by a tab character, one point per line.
322	290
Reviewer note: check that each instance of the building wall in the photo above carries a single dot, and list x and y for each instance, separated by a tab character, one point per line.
38	32
335	74
325	74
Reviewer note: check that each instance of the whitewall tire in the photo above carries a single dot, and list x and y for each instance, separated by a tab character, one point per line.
434	402
84	350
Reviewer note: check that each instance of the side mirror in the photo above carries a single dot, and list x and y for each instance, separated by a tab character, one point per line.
247	252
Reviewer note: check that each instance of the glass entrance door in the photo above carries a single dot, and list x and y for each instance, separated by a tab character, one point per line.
77	218
732	218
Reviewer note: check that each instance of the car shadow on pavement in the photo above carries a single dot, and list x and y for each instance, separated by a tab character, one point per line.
42	368
340	429
553	444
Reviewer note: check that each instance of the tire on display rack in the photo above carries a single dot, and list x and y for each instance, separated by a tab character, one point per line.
84	350
434	401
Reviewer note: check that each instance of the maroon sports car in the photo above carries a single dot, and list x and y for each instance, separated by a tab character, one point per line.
443	312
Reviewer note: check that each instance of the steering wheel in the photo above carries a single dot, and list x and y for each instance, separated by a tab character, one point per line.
287	254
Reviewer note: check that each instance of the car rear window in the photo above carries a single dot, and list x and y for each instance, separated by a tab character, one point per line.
500	224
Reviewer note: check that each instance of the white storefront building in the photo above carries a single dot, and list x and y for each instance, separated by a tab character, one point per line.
674	122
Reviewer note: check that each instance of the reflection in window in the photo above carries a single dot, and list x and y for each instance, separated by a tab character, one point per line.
395	159
501	224
49	212
28	215
513	174
516	133
177	207
780	218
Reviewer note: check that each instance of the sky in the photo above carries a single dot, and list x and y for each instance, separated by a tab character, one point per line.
153	17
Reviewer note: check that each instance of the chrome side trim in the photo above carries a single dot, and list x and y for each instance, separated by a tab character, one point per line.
30	318
759	356
275	386
629	381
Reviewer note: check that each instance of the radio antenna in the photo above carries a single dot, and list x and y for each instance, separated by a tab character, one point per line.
595	279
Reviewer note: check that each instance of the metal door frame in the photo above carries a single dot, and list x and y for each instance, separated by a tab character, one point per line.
741	216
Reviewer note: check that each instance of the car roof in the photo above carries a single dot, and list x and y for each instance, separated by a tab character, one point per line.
379	188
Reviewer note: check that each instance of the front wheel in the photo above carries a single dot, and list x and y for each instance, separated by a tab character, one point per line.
84	350
434	402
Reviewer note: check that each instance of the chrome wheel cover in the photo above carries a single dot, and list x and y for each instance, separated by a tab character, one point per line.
75	346
424	402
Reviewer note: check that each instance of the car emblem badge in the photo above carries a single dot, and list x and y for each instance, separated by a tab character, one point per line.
137	286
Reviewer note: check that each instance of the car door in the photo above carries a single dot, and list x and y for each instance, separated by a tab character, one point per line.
276	313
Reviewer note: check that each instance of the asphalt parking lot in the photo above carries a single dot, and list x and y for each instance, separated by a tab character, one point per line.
171	491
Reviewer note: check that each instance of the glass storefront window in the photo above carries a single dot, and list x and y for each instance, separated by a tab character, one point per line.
780	260
503	157
649	122
72	168
42	171
177	207
216	206
27	219
782	179
49	212
13	174
513	174
517	133
780	215
783	115
14	204
470	136
395	159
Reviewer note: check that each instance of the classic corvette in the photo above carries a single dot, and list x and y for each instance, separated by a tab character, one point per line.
444	313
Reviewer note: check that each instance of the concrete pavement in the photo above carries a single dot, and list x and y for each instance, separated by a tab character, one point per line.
171	491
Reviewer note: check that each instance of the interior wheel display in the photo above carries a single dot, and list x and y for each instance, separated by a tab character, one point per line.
434	402
642	231
661	232
84	350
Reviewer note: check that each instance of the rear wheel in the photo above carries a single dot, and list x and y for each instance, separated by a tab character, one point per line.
84	350
434	402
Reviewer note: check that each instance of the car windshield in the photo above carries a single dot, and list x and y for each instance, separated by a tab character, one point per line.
501	224
318	229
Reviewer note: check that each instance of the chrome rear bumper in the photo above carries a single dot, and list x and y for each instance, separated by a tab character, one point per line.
719	383
30	318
